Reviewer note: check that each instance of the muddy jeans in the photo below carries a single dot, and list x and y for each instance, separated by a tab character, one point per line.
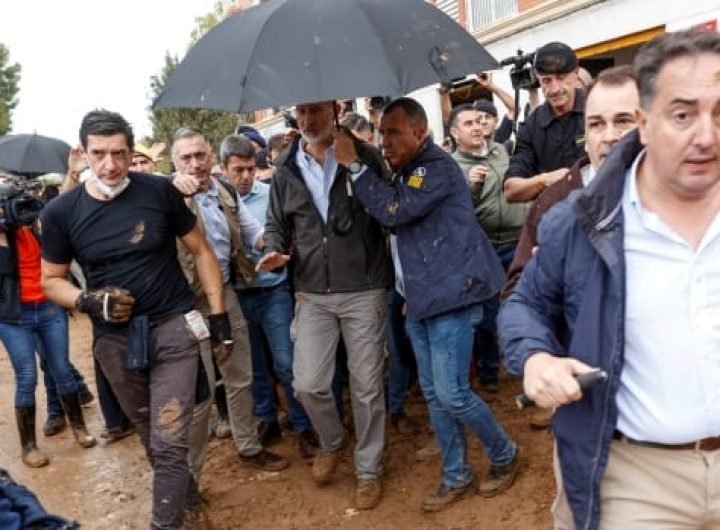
159	402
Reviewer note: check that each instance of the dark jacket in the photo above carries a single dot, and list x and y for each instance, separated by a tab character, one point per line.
447	260
546	142
577	279
557	192
323	260
10	305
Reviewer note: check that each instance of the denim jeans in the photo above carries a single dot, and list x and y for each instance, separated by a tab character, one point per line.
486	351
43	322
443	348
54	407
269	313
401	360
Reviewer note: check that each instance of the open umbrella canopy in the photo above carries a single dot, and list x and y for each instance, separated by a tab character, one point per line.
32	154
295	51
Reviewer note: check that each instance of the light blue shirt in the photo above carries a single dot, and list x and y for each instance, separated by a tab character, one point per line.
670	384
217	231
256	202
319	179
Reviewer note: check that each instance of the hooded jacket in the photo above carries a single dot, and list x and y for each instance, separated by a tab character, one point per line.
501	220
577	280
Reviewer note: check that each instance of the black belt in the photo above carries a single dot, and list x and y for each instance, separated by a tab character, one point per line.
706	444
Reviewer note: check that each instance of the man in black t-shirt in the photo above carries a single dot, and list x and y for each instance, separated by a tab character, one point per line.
122	227
552	138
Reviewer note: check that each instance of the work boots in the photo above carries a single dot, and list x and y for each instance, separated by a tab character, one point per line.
73	409
31	455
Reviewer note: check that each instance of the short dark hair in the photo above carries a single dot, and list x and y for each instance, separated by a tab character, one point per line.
103	122
667	47
276	141
236	145
356	122
456	111
413	110
615	76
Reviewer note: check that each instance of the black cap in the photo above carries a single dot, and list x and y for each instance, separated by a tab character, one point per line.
555	58
486	106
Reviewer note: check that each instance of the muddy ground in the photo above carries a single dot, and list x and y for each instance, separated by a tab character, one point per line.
108	487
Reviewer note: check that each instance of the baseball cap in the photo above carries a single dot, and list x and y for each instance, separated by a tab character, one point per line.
485	105
555	58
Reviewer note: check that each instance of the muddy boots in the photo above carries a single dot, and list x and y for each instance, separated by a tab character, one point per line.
73	409
31	455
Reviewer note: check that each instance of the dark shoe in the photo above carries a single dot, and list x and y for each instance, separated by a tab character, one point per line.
490	387
269	433
446	496
55	424
500	478
404	425
116	434
309	444
30	454
73	410
86	397
368	493
265	460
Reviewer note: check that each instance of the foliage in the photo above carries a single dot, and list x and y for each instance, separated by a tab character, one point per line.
215	125
9	80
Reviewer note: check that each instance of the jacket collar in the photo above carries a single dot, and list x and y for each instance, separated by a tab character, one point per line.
598	204
546	114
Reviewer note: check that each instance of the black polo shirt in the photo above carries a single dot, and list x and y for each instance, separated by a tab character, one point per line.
546	142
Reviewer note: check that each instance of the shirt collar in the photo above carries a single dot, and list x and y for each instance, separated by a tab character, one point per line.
546	114
631	188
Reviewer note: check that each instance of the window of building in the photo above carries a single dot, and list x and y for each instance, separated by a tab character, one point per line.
481	13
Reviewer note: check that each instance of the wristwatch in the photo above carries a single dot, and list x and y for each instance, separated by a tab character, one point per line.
355	166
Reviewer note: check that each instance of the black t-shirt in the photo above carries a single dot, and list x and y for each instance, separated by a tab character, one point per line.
128	242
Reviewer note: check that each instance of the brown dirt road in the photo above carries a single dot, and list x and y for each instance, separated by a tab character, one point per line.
108	488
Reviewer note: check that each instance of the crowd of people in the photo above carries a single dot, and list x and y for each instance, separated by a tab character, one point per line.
367	257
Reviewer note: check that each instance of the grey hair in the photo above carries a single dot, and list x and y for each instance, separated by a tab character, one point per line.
236	145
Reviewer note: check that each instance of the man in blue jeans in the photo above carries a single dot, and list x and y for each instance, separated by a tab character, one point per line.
268	306
449	268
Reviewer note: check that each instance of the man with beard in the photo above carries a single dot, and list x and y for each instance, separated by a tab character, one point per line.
341	268
551	139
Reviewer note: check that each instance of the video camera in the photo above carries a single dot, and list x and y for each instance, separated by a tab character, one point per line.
522	75
18	204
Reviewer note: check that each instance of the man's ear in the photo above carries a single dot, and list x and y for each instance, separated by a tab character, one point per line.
641	118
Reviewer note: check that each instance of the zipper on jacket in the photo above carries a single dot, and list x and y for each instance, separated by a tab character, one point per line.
327	265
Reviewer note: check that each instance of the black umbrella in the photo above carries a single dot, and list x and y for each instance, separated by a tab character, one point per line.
294	51
28	154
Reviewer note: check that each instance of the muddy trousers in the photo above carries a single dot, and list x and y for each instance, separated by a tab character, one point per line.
159	402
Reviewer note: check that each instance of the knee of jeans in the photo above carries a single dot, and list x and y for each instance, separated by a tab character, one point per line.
172	423
454	400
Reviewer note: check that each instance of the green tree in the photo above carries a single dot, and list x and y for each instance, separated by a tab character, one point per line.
214	124
9	80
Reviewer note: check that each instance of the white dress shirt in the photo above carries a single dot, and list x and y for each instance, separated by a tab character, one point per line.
319	179
670	383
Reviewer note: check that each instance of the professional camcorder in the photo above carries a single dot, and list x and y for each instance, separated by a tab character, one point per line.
18	206
522	75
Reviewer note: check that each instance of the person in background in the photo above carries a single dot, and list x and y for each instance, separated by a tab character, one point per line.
551	139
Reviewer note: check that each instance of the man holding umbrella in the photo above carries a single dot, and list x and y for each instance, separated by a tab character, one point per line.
449	269
342	267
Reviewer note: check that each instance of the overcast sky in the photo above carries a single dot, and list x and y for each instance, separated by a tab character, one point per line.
78	55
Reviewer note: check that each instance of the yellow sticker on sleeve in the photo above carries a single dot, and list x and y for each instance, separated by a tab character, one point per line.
415	181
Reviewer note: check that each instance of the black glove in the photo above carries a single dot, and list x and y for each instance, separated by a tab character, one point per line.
108	304
221	340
